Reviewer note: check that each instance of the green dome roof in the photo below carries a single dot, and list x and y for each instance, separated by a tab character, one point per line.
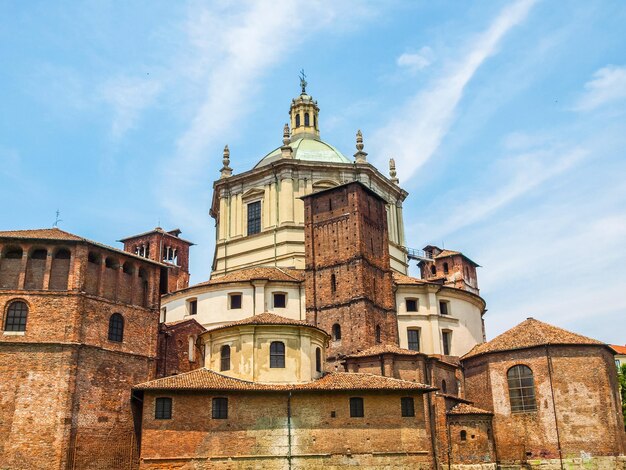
313	150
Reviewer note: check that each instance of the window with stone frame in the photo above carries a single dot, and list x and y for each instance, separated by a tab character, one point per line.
254	217
446	339
277	355
521	389
413	337
234	301
225	358
412	305
280	300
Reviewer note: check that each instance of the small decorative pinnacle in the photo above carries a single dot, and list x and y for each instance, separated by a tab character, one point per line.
303	82
286	150
392	171
226	170
360	156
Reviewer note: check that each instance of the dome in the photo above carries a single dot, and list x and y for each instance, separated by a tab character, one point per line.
308	149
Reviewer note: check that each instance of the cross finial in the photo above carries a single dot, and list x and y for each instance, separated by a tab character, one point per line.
57	219
303	82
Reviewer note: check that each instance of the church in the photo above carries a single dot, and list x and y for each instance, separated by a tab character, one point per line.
310	345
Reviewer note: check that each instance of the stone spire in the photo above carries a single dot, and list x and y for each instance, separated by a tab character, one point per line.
360	156
392	171
226	170
286	150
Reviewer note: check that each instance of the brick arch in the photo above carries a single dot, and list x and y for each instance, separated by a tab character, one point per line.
60	268
11	266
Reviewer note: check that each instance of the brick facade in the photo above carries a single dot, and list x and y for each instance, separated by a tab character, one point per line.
64	385
348	280
577	402
178	347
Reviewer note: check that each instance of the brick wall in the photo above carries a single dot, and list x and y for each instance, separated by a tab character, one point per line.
173	348
257	433
585	400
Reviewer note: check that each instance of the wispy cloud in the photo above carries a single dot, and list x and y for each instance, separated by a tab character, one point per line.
607	86
128	97
417	60
522	174
429	114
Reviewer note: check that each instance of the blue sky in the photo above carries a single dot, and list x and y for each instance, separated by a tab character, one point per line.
507	120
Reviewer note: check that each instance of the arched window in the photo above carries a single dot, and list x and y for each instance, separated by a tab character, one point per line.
378	333
464	435
63	253
128	268
521	389
111	263
307	121
225	358
433	270
445	268
297	120
40	253
116	328
318	360
333	283
17	315
277	355
444	386
13	253
336	333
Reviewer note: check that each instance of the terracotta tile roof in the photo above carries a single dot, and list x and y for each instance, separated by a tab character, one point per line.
41	234
465	409
205	379
62	235
528	334
257	273
401	279
170	233
176	323
267	318
385	349
621	350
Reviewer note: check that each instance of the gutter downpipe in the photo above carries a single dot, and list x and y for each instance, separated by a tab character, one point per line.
556	421
289	430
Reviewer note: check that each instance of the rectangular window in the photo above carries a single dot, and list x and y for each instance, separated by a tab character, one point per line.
163	408
443	307
356	407
414	339
163	314
445	337
220	408
193	307
254	217
411	305
408	407
280	300
234	300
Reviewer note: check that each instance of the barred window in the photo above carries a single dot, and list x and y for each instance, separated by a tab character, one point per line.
254	217
277	355
116	328
220	408
225	358
407	405
521	389
414	339
163	408
356	407
17	315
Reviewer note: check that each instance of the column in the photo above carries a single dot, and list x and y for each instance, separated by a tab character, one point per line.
47	272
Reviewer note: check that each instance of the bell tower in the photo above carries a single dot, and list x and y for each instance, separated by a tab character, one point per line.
349	290
304	113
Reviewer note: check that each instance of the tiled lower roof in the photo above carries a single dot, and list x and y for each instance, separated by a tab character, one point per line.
258	273
205	379
385	349
465	409
267	318
528	334
401	279
621	350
